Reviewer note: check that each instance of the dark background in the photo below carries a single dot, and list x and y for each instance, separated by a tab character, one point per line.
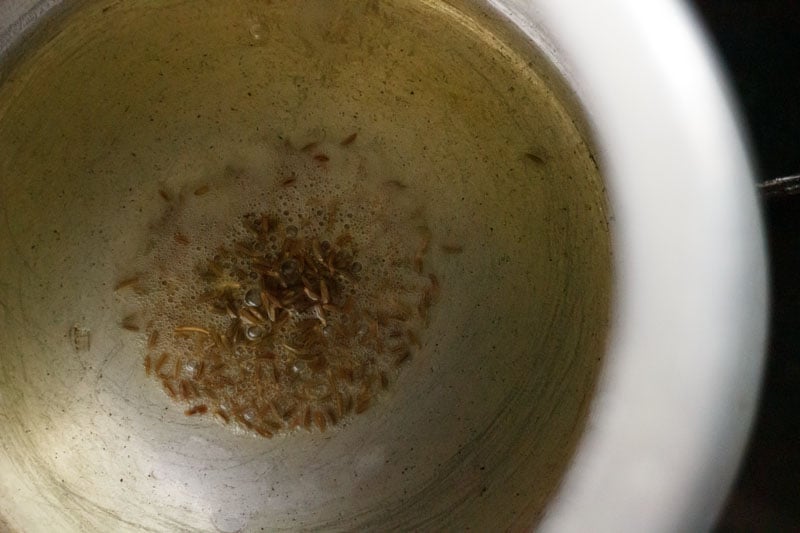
759	43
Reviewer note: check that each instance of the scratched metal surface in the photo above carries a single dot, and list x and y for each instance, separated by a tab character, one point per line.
481	423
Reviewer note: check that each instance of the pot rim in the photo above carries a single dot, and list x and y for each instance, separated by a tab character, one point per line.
680	383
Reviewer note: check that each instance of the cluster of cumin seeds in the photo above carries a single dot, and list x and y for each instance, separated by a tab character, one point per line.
297	333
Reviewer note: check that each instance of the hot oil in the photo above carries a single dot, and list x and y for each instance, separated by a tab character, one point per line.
139	140
284	292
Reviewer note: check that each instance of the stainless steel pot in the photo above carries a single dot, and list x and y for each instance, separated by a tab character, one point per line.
485	427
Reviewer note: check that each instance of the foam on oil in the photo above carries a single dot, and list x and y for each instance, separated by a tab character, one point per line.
287	292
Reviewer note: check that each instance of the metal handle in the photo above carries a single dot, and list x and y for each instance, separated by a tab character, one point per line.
785	186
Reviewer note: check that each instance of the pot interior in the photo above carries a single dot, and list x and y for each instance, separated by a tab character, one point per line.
134	138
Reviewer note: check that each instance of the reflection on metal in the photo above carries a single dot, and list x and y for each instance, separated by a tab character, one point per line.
111	132
785	186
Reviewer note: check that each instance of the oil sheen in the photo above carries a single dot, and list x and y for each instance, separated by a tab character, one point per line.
371	231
